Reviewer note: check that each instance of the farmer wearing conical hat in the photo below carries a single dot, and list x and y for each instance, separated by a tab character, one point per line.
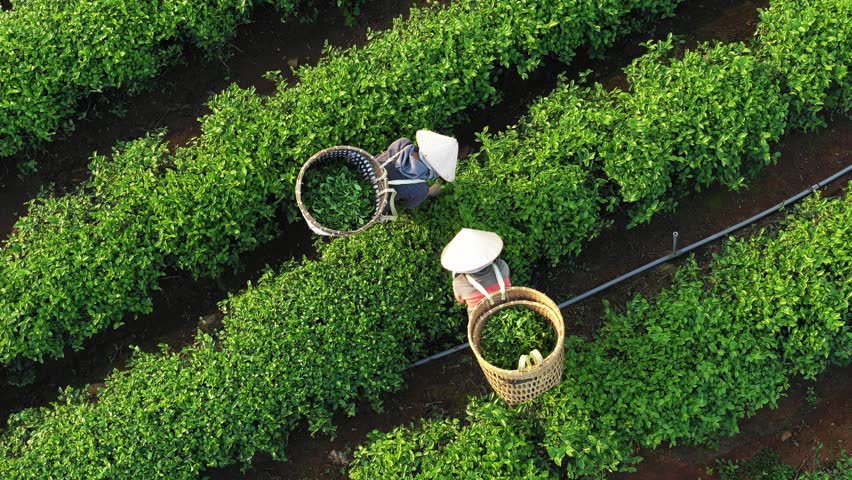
409	166
478	273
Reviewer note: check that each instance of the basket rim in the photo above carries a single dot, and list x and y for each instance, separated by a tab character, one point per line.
377	171
555	318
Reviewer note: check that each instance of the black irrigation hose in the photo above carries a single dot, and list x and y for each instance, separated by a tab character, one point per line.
675	253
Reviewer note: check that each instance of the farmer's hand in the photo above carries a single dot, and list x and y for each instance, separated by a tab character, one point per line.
435	190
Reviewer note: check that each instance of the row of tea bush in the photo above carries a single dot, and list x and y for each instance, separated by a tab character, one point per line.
53	54
80	264
682	368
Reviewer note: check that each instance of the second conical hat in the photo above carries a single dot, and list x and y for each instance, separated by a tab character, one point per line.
471	250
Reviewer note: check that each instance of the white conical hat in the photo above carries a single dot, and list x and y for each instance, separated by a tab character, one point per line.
440	151
471	250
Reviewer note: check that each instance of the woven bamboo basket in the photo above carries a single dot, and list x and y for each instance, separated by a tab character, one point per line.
366	164
512	385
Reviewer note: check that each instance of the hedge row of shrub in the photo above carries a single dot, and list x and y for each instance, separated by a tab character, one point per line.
201	207
817	73
55	53
766	463
684	368
315	338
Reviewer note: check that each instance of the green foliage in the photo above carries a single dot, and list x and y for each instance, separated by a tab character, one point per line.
55	53
85	256
683	368
713	122
287	356
809	43
338	196
795	296
445	449
423	73
405	451
513	332
309	341
713	348
304	343
220	197
533	183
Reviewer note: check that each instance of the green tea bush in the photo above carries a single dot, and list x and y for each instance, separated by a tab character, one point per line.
714	122
55	53
445	449
423	73
714	348
82	256
534	184
809	43
310	341
513	332
297	347
685	367
339	343
221	196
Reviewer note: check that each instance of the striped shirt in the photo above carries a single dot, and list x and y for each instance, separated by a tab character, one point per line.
466	293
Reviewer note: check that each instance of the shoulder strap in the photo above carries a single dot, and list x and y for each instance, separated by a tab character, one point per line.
394	157
500	281
406	181
482	289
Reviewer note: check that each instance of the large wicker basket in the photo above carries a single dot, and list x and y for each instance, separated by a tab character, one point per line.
366	164
512	385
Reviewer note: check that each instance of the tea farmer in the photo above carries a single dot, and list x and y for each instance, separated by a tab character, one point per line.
409	166
478	273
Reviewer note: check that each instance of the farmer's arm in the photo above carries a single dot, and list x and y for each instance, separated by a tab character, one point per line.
460	287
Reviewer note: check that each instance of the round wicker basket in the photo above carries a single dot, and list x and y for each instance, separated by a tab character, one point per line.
366	164
512	385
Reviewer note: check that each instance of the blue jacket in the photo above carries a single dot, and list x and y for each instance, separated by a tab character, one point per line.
406	167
